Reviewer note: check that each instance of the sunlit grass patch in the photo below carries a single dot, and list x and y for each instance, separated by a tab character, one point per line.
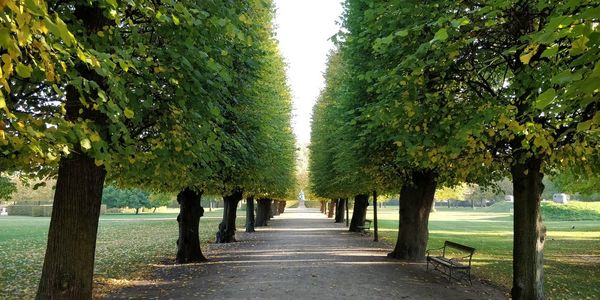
572	248
124	249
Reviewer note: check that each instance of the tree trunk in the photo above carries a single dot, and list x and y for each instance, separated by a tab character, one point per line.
190	212
137	210
331	207
281	207
275	208
416	200
69	261
226	233
376	225
361	202
323	207
529	232
272	209
473	203
68	267
448	203
250	214
347	213
262	212
154	210
339	210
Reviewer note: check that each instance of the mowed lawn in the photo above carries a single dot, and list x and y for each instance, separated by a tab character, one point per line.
127	244
572	249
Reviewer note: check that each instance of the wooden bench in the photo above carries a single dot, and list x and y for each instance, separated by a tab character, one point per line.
365	228
453	261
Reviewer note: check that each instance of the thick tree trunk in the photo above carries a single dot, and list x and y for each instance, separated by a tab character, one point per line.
415	205
529	232
137	211
281	207
226	232
68	267
275	208
69	261
361	202
331	207
340	209
262	212
190	212
250	214
323	207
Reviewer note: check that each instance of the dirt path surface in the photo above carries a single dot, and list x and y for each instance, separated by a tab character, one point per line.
301	255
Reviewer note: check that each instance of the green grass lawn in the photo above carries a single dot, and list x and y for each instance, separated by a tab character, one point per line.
126	245
572	255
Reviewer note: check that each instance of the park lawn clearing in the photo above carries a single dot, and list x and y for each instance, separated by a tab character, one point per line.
127	246
572	248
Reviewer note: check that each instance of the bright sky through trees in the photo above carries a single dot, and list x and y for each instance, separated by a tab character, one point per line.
304	29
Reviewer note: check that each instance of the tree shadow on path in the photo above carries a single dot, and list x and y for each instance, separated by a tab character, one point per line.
302	255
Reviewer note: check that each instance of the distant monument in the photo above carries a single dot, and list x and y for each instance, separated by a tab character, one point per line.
301	200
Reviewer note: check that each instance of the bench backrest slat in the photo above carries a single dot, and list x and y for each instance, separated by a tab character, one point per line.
459	247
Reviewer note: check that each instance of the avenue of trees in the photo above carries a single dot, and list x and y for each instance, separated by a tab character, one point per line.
186	97
422	95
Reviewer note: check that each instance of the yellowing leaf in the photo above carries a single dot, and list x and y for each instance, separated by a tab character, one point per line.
85	144
95	137
128	113
24	71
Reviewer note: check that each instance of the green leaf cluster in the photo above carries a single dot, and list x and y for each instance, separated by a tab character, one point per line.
172	94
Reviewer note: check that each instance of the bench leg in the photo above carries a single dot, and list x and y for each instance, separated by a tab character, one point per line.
450	275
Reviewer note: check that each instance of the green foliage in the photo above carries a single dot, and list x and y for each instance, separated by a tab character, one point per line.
121	198
7	188
160	199
210	111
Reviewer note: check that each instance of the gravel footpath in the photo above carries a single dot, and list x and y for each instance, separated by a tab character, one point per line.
301	255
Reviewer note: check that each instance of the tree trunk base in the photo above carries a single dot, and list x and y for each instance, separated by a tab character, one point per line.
226	233
190	212
415	205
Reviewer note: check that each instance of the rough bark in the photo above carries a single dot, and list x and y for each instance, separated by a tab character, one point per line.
331	207
250	214
190	212
323	208
340	209
359	215
69	261
262	212
416	200
529	232
68	266
226	233
281	207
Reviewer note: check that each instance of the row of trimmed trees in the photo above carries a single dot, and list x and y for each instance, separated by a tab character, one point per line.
421	95
185	97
